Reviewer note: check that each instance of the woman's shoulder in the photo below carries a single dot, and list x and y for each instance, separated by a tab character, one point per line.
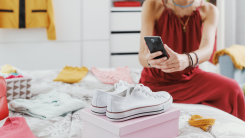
153	5
208	8
152	9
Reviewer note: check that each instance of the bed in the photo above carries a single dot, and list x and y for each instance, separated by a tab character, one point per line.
70	126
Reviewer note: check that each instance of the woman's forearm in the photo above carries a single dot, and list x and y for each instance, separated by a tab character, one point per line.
142	60
208	36
203	53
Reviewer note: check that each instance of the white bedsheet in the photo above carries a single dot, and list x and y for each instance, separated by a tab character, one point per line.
70	126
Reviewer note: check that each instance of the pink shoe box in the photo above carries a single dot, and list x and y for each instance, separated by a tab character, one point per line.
165	125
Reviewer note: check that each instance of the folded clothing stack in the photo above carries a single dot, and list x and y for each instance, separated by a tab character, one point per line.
46	106
9	72
18	83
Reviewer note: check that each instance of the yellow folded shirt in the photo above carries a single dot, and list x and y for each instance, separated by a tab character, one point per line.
72	75
8	69
237	54
201	122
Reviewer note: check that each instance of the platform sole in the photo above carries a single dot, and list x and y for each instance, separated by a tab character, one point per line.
98	110
139	112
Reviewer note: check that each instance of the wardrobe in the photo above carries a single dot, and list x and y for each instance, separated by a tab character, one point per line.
111	33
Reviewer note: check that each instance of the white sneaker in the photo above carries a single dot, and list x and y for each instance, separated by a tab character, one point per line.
137	102
99	102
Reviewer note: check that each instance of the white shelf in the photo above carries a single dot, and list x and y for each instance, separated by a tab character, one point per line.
125	9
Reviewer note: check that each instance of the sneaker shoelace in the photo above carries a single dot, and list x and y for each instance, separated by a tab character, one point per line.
121	83
147	91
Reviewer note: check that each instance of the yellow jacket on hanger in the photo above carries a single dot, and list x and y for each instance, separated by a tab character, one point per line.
28	14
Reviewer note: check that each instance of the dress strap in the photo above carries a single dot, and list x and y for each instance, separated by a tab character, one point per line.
200	5
164	2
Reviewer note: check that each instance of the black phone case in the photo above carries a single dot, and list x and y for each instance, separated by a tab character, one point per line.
155	44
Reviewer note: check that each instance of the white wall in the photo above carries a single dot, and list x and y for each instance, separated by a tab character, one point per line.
234	22
240	22
96	33
29	49
230	22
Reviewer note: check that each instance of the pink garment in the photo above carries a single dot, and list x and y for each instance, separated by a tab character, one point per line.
13	76
16	127
113	76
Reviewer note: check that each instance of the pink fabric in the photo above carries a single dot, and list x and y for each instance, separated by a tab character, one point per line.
16	127
113	76
13	76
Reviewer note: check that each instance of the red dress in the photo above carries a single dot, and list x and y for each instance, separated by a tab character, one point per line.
192	85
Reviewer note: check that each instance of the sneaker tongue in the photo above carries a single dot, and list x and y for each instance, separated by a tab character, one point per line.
120	84
120	89
130	90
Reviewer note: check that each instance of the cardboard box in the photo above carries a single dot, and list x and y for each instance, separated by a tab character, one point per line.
165	125
18	88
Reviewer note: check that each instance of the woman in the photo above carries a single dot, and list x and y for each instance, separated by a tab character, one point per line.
179	23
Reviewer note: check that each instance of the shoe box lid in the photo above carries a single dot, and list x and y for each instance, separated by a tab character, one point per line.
129	126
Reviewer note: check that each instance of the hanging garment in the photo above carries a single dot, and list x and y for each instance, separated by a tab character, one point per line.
72	75
113	76
28	14
46	106
16	127
4	111
237	54
191	85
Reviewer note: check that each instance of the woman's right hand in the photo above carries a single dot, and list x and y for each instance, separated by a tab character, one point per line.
149	57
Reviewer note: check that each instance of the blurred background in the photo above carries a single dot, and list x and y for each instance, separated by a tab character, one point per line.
95	33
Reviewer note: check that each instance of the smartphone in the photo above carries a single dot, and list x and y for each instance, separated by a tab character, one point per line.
155	44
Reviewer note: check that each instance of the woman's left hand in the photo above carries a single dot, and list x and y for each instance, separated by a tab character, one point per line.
176	62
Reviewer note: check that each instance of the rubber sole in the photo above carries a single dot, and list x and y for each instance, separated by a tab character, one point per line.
98	110
139	112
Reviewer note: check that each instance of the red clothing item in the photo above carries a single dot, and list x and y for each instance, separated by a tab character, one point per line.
192	85
13	76
15	127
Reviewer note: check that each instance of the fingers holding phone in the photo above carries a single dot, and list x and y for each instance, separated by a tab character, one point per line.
154	51
176	62
150	57
162	57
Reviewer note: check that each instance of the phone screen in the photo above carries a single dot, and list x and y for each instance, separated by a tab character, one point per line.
155	44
